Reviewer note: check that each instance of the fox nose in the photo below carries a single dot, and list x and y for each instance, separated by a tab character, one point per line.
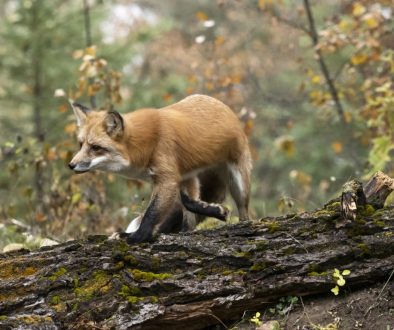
72	165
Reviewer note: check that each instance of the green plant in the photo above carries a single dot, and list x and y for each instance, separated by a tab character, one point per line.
339	280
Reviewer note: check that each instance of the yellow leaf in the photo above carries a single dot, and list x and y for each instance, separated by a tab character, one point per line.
346	272
76	198
219	40
371	21
316	79
337	146
91	51
348	116
345	25
335	290
201	16
265	3
358	9
285	144
341	281
63	108
358	59
70	129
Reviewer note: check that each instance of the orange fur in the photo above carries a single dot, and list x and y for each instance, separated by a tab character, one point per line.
172	146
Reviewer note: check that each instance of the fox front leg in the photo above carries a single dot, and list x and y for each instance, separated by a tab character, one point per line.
160	209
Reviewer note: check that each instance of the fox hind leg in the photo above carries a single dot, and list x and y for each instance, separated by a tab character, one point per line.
239	181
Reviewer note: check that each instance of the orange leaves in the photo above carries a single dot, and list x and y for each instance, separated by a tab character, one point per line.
263	4
358	59
358	9
201	16
95	77
337	147
285	144
71	128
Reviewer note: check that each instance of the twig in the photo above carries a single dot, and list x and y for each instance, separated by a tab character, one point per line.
376	303
323	66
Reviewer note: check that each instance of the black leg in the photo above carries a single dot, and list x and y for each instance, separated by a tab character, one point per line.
200	207
145	231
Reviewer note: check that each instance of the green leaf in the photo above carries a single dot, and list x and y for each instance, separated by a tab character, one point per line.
341	281
346	272
335	290
336	273
76	198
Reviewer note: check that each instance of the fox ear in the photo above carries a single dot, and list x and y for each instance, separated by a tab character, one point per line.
80	112
114	124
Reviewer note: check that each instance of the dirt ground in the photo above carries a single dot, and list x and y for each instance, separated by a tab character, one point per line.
368	309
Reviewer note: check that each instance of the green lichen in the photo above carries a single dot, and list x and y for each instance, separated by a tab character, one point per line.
243	255
126	291
3	318
122	247
364	248
324	213
259	266
139	275
131	294
61	271
155	262
9	270
55	300
333	207
239	272
367	210
273	226
99	284
154	299
119	265
130	260
316	270
317	274
379	223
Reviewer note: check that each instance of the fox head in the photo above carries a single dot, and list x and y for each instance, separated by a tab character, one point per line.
100	136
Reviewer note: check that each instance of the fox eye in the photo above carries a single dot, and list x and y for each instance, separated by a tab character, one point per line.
96	147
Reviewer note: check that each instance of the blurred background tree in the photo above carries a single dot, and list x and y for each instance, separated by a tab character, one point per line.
312	81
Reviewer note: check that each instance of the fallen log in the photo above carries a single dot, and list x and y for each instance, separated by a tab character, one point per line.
194	280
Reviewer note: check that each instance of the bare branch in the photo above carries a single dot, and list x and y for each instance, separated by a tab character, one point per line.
323	66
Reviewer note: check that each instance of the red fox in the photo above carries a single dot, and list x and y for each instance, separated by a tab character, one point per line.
191	151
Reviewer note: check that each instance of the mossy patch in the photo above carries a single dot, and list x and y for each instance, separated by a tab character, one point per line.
99	284
139	275
239	272
130	260
131	294
9	270
379	223
333	207
243	255
364	248
317	274
272	226
3	318
61	271
258	266
367	210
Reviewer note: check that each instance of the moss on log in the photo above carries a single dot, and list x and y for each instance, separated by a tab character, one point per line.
192	280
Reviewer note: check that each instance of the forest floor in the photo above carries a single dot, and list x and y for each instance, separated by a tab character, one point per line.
367	308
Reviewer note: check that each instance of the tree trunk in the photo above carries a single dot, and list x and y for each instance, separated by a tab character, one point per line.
193	280
36	61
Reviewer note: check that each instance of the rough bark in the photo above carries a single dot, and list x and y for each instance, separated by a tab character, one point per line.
193	280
